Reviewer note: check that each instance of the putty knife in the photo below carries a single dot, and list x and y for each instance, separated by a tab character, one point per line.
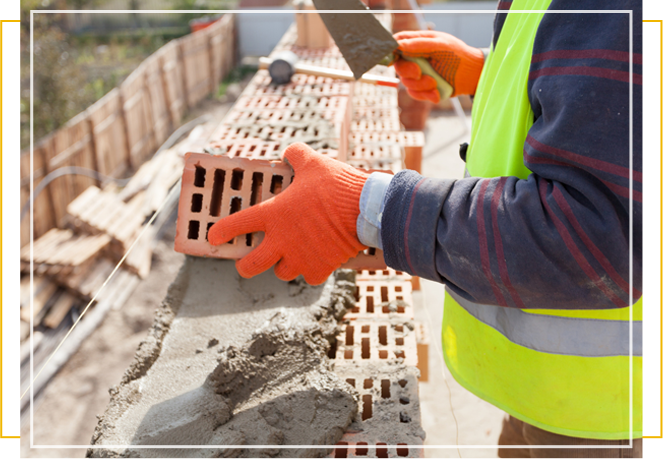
365	43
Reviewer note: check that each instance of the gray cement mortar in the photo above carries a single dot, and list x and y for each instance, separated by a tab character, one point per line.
233	361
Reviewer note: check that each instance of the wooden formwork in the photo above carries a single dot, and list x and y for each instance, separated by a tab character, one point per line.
72	146
195	57
162	124
138	117
173	80
110	142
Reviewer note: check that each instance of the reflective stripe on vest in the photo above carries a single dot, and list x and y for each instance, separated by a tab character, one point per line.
558	335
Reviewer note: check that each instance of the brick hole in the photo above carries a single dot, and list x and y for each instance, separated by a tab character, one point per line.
400	341
386	273
398	288
402	382
347	355
350	381
402	450
365	328
385	310
355	309
381	452
399	354
332	350
399	298
361	451
263	152
349	335
370	288
404	417
341	452
194	229
370	307
217	192
249	239
235	205
382	335
237	179
368	383
356	293
371	251
372	273
383	354
209	225
199	177
404	400
367	410
385	387
399	328
400	309
196	202
399	273
384	294
256	188
251	148
277	184
365	348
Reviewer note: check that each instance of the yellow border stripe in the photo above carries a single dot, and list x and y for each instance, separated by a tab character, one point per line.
650	227
9	123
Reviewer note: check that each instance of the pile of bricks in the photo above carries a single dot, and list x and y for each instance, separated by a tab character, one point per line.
378	348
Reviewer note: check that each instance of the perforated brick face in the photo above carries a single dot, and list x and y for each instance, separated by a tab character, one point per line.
383	299
376	341
214	187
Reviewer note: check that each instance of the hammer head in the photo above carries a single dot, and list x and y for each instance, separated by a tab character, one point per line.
282	67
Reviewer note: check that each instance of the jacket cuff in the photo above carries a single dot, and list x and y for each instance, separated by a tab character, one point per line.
371	206
409	222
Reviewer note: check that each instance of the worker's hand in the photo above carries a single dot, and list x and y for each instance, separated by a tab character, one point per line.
459	64
310	227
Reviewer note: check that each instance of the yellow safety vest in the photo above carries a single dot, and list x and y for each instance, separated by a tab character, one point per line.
572	372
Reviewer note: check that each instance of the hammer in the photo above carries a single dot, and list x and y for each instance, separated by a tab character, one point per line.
285	64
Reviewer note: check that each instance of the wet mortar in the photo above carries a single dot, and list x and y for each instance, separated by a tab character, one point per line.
233	361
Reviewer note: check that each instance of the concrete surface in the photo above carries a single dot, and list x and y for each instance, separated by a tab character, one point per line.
471	421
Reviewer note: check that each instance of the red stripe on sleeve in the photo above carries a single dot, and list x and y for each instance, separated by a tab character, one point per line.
600	257
575	252
483	245
499	250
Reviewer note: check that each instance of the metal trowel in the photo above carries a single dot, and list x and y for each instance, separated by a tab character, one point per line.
365	43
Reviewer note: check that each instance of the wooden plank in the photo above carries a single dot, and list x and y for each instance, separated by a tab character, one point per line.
59	310
138	116
92	246
108	134
40	299
84	201
173	80
96	278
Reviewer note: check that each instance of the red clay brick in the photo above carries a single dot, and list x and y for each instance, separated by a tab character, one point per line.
261	85
382	299
423	341
257	149
370	258
215	186
387	274
375	341
291	102
386	100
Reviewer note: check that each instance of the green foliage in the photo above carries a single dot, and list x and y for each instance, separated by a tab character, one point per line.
234	76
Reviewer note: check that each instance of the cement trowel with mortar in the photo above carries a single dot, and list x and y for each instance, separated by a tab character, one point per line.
365	43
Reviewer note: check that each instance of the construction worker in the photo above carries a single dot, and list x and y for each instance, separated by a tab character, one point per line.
540	245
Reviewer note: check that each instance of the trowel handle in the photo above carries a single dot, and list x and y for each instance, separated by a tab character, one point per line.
445	89
305	69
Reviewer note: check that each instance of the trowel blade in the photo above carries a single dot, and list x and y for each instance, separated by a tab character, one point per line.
363	41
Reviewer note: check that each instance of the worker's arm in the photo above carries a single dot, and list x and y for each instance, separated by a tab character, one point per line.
560	238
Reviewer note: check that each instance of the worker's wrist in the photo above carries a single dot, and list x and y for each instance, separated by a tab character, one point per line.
371	206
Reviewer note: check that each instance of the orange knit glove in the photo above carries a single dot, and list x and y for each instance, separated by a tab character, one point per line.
459	64
310	227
